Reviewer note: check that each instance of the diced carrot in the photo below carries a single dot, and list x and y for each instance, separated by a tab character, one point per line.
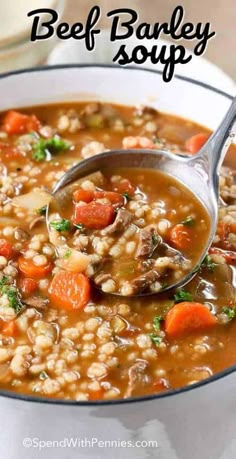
114	198
83	195
9	328
94	215
6	249
181	236
232	227
32	124
27	286
228	255
18	123
124	186
88	196
96	394
187	317
29	269
69	290
194	143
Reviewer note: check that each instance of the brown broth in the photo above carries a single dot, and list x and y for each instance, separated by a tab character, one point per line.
59	347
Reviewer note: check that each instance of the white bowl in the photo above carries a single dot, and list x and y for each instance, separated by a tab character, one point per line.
199	68
197	421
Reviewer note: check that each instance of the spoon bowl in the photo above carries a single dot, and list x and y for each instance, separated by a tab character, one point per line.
199	173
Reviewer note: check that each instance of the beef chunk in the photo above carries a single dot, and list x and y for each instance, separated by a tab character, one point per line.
149	239
122	220
141	283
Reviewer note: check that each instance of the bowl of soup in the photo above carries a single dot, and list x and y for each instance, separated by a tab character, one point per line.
69	350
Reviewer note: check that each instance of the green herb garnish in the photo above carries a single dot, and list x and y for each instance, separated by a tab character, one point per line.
229	312
12	294
183	295
61	225
53	146
155	238
3	281
41	210
155	338
208	263
157	322
68	253
189	221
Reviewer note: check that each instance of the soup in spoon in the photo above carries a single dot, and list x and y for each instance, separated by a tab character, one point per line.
142	230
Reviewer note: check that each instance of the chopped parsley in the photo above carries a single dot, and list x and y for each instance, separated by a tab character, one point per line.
155	238
12	294
157	322
3	281
208	263
53	146
61	225
189	221
183	295
155	338
41	210
229	312
68	253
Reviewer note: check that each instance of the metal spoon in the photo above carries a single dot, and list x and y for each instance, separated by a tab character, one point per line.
199	173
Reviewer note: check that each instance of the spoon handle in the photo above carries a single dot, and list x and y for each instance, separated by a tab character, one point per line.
216	147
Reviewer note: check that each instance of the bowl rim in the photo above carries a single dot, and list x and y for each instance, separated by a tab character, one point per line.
146	398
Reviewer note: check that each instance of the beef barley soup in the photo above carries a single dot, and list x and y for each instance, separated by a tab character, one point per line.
145	230
127	231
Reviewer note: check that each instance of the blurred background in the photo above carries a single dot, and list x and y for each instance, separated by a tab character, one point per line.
221	13
217	67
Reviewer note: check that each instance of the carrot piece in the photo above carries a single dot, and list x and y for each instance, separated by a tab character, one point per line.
94	215
18	123
181	236
6	249
28	286
9	328
124	186
29	269
232	228
32	124
188	317
194	143
69	290
83	195
112	196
